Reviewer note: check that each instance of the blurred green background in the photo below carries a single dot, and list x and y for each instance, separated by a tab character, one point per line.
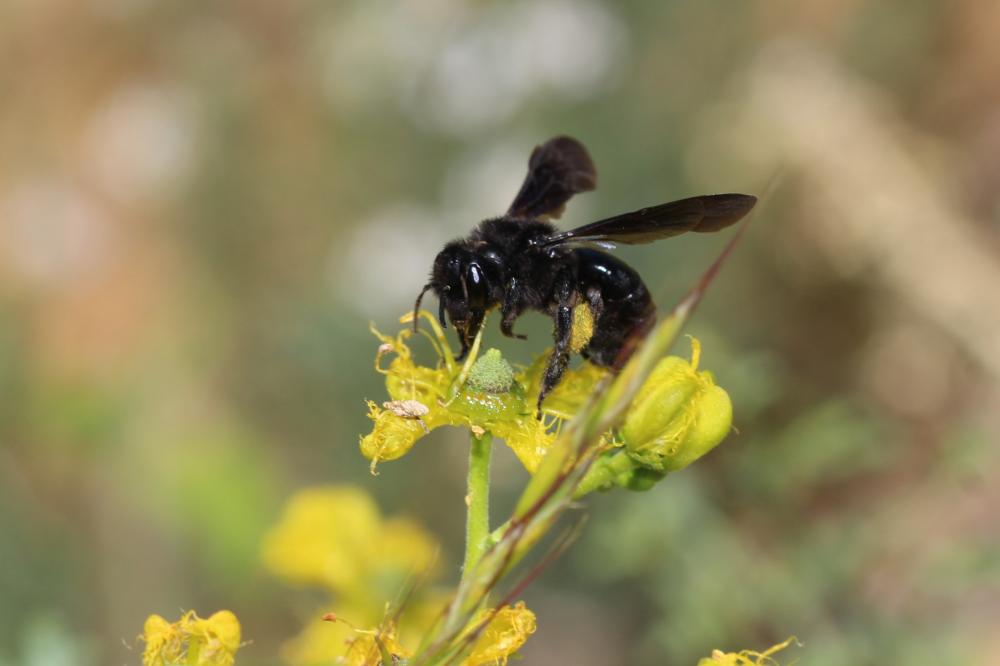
202	206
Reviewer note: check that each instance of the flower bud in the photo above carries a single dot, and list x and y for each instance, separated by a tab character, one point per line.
490	393
491	373
678	415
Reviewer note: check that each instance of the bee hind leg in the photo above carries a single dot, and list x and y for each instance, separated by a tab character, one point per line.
559	360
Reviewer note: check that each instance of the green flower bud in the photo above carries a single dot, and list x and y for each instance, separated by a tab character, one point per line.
678	415
490	392
491	373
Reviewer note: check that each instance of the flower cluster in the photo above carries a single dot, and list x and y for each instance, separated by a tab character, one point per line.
501	637
335	538
677	416
191	641
485	396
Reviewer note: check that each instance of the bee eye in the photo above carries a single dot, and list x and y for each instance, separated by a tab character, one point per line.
475	282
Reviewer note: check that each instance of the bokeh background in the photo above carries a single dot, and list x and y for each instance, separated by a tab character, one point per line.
203	205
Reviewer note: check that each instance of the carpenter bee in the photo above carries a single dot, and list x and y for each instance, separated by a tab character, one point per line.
519	261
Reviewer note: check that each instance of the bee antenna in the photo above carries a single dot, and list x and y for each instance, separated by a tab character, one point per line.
416	306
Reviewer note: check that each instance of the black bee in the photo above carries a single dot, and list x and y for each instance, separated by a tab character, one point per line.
520	261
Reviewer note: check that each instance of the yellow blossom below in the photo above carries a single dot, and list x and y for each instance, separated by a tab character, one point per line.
335	537
502	637
191	641
746	657
368	647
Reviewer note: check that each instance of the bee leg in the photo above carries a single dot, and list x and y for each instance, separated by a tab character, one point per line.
559	360
464	350
509	312
468	333
596	303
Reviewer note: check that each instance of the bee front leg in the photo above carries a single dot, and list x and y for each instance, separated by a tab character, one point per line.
467	332
510	310
559	360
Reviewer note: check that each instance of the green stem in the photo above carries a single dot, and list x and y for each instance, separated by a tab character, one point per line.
604	472
477	522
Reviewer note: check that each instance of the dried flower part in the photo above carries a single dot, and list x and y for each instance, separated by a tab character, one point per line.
191	640
407	409
503	636
678	415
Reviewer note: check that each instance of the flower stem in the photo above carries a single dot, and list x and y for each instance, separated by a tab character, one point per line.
477	522
604	472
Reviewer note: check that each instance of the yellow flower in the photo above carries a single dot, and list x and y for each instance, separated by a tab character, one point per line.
192	641
502	637
482	395
164	642
319	643
678	415
367	648
746	657
335	537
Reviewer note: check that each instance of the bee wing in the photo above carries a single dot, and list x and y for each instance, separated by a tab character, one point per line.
557	169
699	214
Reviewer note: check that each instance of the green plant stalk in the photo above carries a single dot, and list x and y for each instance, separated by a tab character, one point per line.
477	521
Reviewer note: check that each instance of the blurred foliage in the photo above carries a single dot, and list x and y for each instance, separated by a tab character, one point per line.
202	207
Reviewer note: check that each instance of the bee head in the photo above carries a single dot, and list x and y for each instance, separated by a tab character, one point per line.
460	280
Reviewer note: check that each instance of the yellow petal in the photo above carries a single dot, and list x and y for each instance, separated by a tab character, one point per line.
319	644
392	436
746	657
334	536
326	536
503	636
164	642
366	648
192	640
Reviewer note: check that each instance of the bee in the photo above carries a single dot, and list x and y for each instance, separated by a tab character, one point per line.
519	261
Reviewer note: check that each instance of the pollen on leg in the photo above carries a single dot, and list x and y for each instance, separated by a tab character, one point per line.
583	327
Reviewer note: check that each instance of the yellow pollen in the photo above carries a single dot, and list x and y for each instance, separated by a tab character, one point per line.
583	327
